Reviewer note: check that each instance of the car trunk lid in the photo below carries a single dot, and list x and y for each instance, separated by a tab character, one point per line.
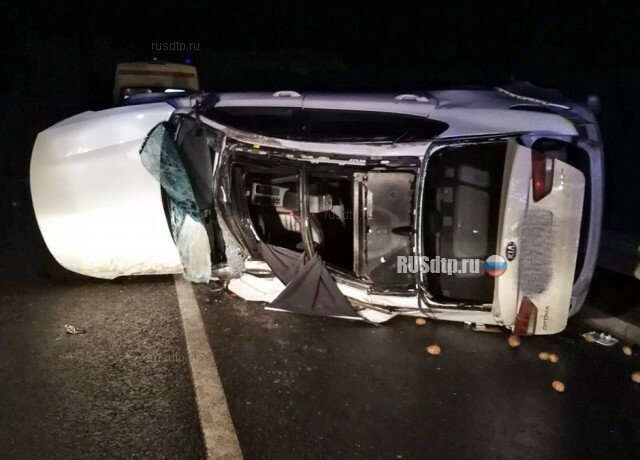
538	237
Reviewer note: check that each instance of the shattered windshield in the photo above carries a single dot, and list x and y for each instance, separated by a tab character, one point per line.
161	158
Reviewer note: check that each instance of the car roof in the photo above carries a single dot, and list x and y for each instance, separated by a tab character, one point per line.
468	112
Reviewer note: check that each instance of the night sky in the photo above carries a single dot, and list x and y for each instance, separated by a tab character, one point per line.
60	59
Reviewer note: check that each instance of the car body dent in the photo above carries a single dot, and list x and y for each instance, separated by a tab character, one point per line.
148	247
251	287
261	289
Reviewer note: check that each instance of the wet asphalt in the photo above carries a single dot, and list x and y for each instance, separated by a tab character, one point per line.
120	390
304	387
297	387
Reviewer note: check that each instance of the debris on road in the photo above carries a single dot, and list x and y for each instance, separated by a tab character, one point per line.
627	350
514	341
635	377
433	349
69	329
220	288
553	358
558	386
601	338
544	356
421	321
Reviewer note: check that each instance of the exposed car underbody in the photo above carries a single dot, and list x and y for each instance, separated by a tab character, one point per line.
302	202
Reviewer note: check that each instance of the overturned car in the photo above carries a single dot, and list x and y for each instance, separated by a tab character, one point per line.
481	206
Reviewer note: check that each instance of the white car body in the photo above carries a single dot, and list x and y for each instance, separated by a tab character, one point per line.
101	214
99	210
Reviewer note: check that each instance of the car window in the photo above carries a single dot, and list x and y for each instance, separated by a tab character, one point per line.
327	125
461	208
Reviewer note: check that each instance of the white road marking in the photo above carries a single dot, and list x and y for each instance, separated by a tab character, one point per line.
220	439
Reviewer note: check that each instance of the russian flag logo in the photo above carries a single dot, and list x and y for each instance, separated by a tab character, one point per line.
495	265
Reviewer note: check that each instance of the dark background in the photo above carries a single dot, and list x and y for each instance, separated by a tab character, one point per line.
59	59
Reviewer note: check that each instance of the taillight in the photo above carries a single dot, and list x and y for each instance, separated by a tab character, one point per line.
526	318
541	175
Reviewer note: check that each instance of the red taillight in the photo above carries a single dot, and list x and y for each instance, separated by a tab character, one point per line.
526	317
541	175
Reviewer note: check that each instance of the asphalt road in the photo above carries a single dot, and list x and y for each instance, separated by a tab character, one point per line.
121	390
302	387
297	387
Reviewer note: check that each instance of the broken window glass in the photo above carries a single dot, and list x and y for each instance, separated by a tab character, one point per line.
161	158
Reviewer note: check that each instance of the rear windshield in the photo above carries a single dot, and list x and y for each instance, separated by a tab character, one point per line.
327	125
461	211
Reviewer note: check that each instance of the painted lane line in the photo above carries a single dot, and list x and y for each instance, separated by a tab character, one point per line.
220	439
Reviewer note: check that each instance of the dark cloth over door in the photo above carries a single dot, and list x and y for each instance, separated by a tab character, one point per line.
309	290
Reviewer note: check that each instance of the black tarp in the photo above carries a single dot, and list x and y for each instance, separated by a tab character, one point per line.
309	290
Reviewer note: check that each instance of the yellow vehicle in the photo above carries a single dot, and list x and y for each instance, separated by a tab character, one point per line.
153	78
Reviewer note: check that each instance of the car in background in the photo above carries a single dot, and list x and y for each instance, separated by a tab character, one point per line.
148	81
258	184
